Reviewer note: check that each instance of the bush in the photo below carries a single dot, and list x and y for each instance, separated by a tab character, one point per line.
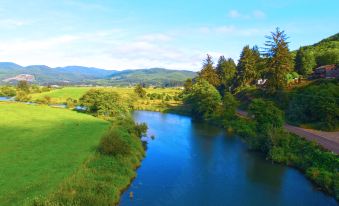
22	96
114	143
104	103
316	104
7	91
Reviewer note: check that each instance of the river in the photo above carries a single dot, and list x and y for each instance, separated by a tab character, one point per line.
196	164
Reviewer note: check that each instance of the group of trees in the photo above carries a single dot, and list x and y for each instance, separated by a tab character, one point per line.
273	64
323	53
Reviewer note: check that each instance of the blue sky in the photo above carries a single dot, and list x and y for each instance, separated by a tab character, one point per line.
133	34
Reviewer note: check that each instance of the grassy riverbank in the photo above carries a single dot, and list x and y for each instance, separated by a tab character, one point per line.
40	147
103	176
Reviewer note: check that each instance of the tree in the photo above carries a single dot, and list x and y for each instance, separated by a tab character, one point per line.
247	67
188	85
230	105
204	99
208	72
266	115
23	86
305	62
226	70
139	90
280	60
104	103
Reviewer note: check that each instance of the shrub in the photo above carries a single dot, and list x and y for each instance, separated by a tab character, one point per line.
114	143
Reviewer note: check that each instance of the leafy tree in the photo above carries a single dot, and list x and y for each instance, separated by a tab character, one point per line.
208	72
188	85
104	103
226	70
305	61
22	96
7	91
23	86
230	105
247	67
266	115
204	99
280	60
330	56
317	103
140	91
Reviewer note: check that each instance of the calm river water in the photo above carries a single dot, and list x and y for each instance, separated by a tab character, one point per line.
196	164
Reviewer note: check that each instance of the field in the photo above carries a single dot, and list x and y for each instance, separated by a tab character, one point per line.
59	96
40	147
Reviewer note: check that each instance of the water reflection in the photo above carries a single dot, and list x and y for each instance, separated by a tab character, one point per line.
191	163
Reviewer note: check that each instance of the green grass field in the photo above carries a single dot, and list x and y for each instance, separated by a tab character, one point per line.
40	147
60	95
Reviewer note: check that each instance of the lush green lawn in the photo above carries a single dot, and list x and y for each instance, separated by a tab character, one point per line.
41	146
60	95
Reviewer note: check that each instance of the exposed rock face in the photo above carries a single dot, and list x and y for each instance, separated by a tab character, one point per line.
21	77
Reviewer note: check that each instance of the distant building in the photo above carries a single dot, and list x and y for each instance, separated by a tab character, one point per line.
261	81
326	72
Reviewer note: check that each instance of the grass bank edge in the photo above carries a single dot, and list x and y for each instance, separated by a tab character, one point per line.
105	174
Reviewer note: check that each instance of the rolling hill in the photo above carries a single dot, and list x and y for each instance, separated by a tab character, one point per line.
89	75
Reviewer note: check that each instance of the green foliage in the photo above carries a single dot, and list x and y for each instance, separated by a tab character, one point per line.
114	143
44	100
226	70
7	91
209	73
323	53
104	103
247	68
188	85
316	104
230	104
279	61
71	103
305	61
139	90
204	99
23	86
22	96
266	115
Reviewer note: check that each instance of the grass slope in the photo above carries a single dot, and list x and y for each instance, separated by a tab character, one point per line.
40	147
61	95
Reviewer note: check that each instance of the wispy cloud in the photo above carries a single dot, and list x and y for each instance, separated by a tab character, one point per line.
12	23
235	14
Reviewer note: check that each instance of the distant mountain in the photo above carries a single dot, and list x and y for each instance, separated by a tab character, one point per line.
89	75
153	76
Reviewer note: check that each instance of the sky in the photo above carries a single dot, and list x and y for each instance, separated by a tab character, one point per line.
135	34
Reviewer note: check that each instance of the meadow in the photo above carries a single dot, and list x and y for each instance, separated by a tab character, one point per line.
161	104
40	147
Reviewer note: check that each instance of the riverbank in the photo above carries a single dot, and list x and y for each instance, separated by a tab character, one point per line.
104	175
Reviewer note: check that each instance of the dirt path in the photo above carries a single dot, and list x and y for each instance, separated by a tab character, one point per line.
328	140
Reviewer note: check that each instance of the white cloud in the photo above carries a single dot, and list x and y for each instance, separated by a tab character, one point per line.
257	14
12	23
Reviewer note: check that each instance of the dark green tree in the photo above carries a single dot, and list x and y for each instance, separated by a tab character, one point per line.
23	86
230	104
208	72
305	62
279	60
204	100
140	91
188	85
226	70
247	67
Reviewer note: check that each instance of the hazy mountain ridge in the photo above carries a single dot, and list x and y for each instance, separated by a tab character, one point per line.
91	75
